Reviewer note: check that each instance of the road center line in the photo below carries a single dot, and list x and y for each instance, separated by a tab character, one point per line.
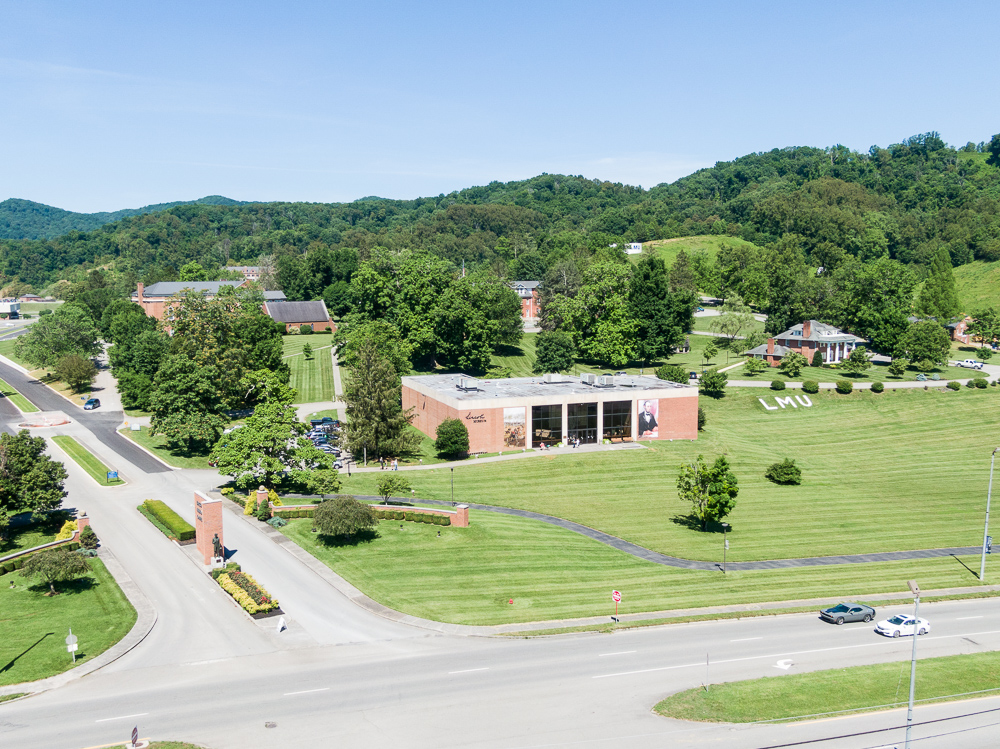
701	664
967	617
469	670
121	717
747	639
307	691
623	652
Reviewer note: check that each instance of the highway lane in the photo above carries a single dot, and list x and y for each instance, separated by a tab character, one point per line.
579	690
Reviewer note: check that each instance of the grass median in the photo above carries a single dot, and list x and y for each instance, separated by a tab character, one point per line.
86	460
821	693
33	626
470	575
22	403
158	446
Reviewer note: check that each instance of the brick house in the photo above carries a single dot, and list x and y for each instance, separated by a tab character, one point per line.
807	338
528	291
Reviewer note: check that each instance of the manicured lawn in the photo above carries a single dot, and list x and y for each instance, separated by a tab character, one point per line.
468	575
904	469
33	627
877	373
978	285
312	378
520	358
158	446
871	688
331	412
7	349
22	403
41	530
709	243
86	460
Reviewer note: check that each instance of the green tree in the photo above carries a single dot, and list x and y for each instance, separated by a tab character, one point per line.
925	340
713	383
55	566
985	325
307	351
994	150
474	316
790	285
376	421
817	360
672	373
682	275
734	321
383	335
554	352
390	485
754	366
186	405
858	362
649	298
76	371
939	296
452	439
898	366
711	490
29	479
68	330
873	300
193	272
792	363
742	271
710	352
785	472
343	517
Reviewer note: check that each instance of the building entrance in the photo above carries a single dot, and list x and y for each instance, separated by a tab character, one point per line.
582	422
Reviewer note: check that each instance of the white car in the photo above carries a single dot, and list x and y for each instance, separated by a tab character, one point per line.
971	364
902	624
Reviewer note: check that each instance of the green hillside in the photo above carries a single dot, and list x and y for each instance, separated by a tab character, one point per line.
708	243
978	285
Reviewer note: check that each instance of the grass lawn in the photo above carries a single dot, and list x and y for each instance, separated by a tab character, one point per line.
519	358
468	575
704	324
7	350
22	403
312	378
669	248
33	627
41	530
36	307
978	285
872	688
158	446
331	412
877	373
904	469
86	460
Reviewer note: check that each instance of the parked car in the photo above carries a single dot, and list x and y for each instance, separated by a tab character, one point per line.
91	404
621	374
848	612
700	309
970	364
693	376
902	624
327	419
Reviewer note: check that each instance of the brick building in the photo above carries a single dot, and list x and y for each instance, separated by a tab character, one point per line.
525	412
528	291
296	314
807	338
155	299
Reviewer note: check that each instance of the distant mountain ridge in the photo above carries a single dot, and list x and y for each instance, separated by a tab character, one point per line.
26	219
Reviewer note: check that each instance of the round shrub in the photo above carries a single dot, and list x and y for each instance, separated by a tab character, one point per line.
452	439
305	329
817	360
970	383
993	384
844	387
953	385
777	385
810	386
277	522
980	383
785	472
877	387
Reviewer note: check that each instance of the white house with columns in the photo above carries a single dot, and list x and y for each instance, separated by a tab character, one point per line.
807	338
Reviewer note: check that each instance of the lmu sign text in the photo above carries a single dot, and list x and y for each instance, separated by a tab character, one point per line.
803	400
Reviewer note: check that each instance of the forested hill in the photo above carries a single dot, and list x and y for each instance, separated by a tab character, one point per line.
25	219
905	201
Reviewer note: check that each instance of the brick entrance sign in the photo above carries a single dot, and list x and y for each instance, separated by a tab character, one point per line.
207	524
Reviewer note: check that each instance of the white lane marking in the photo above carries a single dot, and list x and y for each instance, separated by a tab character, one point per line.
747	639
701	664
205	663
623	652
784	665
469	670
961	618
121	717
307	691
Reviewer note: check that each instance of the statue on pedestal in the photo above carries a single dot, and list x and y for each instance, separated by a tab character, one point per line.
217	550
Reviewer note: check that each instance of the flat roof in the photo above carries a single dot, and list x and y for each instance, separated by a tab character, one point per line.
627	386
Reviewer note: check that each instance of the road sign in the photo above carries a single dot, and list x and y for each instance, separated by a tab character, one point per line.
112	475
135	735
989	544
72	639
616	596
71	645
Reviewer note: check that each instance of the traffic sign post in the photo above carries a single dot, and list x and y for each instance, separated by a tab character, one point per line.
616	597
71	645
135	736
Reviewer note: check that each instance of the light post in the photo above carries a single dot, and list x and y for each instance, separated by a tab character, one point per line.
986	526
453	486
725	546
915	589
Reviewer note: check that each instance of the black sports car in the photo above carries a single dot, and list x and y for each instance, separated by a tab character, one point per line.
848	612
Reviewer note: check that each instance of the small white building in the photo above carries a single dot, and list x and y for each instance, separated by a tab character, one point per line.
634	248
10	307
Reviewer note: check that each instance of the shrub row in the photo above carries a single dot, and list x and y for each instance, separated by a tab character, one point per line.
15	564
413	517
243	598
178	526
301	513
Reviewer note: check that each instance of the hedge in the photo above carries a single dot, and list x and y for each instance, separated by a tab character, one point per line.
979	382
15	564
407	515
178	526
845	386
953	385
777	385
810	386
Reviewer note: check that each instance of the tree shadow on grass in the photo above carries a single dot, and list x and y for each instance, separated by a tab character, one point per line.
693	523
72	587
339	542
10	664
508	351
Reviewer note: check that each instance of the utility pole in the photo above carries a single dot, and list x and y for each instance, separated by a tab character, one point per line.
986	526
915	589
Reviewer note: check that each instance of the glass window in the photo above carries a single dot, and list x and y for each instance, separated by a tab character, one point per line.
546	424
618	420
581	422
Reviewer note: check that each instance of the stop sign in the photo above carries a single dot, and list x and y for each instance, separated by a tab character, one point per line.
616	596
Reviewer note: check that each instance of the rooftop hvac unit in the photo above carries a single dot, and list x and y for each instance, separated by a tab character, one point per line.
606	381
468	383
588	378
552	377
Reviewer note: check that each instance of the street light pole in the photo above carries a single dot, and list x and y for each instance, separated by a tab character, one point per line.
986	526
453	486
913	658
725	546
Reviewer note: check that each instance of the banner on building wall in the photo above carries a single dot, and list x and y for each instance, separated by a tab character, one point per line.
648	412
514	427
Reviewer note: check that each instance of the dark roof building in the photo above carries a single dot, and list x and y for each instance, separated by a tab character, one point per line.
295	314
807	338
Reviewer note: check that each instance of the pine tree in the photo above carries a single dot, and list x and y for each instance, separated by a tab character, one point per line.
650	303
682	277
939	297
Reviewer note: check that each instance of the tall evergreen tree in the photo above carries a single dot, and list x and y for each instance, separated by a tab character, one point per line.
649	300
682	275
939	297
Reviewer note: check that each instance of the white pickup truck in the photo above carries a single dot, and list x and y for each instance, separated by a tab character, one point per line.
970	364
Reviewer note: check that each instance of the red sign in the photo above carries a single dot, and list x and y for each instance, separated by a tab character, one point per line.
616	596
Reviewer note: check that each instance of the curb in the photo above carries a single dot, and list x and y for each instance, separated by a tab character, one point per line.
154	456
77	464
144	622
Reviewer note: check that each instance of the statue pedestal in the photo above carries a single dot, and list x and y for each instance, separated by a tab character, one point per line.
208	526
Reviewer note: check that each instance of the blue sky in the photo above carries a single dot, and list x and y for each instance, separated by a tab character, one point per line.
110	105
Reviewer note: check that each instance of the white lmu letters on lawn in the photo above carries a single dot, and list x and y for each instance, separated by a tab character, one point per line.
803	400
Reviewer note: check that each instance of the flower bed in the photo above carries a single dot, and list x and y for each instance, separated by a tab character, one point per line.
247	593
